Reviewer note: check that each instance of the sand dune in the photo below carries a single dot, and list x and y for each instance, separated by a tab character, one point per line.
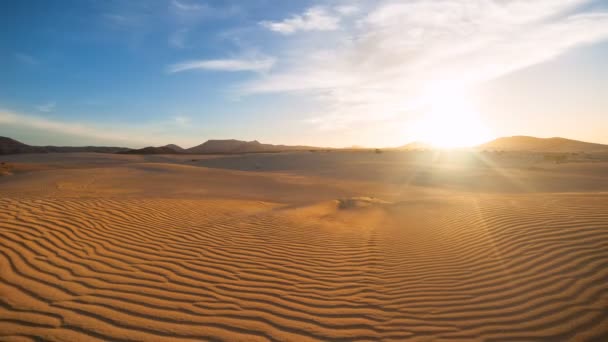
151	251
526	143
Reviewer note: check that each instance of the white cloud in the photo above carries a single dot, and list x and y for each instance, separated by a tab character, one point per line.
47	107
379	67
347	10
258	65
313	19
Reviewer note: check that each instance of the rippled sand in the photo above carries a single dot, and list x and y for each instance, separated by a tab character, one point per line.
96	247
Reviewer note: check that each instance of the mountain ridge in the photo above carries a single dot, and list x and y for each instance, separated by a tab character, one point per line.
534	144
241	146
12	146
174	147
234	146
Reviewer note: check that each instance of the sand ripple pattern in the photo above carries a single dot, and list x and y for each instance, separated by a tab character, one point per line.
495	269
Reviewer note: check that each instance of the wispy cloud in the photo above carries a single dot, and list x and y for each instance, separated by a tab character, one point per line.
178	38
313	19
188	15
385	57
187	6
191	11
257	65
181	120
124	21
347	10
26	59
67	128
124	134
47	107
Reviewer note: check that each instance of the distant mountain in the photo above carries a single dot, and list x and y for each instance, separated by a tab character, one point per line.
219	146
175	148
151	150
8	146
68	149
11	146
515	143
532	144
239	146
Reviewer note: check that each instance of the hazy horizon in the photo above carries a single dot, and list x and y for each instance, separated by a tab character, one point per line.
355	146
319	73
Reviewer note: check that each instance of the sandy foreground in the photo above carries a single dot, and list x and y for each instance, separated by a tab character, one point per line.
304	246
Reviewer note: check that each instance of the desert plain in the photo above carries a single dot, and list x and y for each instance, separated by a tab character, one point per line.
304	246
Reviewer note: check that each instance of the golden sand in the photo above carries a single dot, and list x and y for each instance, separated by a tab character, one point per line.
133	249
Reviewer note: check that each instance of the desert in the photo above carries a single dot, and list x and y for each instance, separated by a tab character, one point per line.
310	170
297	246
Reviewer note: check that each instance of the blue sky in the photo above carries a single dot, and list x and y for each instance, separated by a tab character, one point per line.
331	73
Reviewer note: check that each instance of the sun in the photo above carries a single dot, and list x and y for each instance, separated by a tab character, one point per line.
450	121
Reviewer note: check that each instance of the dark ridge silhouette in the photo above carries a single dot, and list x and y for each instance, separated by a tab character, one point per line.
151	150
175	148
12	146
229	146
239	146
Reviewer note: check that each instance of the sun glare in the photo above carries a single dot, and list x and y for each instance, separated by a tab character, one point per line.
450	121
